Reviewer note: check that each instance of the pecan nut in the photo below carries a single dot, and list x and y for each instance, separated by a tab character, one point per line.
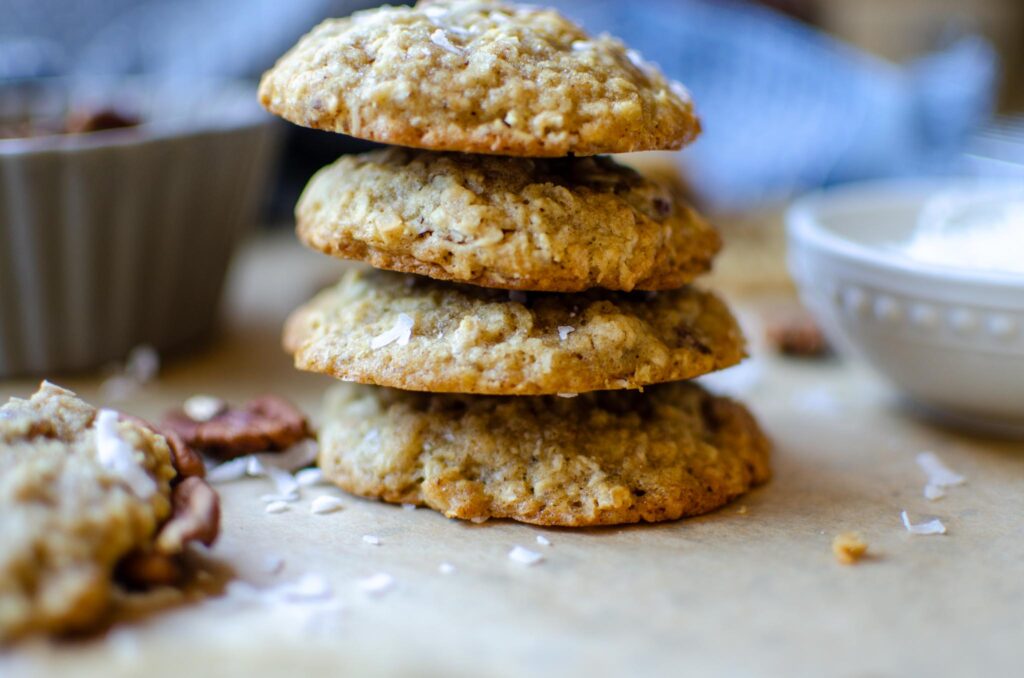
797	333
267	423
195	517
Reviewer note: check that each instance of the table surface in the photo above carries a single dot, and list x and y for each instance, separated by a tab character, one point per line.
751	589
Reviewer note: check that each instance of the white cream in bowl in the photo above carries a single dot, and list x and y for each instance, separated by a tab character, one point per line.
971	229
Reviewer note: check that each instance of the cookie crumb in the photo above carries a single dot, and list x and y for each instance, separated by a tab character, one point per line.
849	547
742	510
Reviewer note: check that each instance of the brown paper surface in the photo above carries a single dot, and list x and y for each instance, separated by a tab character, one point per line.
752	589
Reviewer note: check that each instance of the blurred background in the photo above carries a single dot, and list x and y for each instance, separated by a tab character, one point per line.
122	238
794	93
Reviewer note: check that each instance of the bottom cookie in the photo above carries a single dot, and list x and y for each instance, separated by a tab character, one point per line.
602	458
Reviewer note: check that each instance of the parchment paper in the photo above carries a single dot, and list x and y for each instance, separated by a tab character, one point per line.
750	590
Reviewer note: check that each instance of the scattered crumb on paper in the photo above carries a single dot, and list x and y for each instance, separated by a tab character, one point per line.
849	547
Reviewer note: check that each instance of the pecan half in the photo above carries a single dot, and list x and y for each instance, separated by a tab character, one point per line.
795	332
195	517
267	423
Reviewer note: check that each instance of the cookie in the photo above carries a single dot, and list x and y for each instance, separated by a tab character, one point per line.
603	458
409	332
562	225
478	77
81	490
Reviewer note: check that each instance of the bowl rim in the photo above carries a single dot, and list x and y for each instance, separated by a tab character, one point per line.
147	131
804	226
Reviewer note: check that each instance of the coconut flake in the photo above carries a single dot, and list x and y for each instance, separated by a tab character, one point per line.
679	90
637	60
325	504
299	455
582	45
524	556
440	38
377	584
114	454
543	541
140	367
446	568
933	526
564	331
371	539
284	482
309	477
401	333
276	507
228	471
203	407
307	588
567	395
939	475
254	467
478	520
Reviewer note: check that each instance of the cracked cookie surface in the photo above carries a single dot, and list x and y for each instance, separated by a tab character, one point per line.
414	333
599	459
478	77
562	225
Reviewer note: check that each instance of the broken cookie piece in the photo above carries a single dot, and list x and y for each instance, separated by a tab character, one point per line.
86	496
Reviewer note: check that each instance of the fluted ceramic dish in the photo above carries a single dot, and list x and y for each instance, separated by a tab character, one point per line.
120	238
952	339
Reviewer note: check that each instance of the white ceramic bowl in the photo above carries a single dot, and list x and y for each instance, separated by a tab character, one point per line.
119	238
952	339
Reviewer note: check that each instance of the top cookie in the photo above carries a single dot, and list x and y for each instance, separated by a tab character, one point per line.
478	77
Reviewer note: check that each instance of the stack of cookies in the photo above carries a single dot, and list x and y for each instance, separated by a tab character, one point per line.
522	350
